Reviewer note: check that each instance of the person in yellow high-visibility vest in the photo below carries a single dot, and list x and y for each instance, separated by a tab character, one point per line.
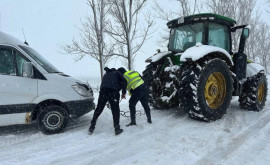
138	91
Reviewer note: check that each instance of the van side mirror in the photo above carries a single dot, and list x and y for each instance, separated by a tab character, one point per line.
245	32
27	70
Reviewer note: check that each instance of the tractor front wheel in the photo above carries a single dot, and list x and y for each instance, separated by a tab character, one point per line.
161	82
253	96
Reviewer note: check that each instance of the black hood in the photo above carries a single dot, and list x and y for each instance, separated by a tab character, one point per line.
109	70
121	70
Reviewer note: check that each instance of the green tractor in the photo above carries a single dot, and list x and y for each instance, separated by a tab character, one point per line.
200	73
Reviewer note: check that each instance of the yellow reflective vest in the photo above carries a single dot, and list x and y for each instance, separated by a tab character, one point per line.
134	80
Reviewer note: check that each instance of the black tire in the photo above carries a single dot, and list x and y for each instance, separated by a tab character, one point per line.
252	98
194	77
162	85
148	74
164	88
52	119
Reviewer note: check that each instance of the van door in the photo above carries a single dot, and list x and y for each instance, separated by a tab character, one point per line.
16	92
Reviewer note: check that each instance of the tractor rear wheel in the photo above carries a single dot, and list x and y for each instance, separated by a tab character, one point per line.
253	96
205	89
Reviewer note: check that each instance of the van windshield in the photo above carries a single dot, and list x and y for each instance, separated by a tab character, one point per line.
40	59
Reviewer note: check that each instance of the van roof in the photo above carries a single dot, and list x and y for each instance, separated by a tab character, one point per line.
9	40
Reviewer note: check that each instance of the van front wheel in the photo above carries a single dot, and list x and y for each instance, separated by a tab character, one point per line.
52	119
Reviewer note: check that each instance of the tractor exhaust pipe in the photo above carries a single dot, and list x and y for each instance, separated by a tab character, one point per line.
240	58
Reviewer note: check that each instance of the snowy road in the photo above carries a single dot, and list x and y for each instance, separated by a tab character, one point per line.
240	137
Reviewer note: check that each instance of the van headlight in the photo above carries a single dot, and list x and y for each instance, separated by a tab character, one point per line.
81	90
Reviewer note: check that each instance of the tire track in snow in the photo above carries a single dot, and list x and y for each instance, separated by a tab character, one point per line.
220	154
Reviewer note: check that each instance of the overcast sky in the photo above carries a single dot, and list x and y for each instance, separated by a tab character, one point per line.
48	23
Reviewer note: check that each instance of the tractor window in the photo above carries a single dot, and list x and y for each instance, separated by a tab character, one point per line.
219	36
185	36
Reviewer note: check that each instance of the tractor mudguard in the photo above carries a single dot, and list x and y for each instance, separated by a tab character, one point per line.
158	56
253	69
199	51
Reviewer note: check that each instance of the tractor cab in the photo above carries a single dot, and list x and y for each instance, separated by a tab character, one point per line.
209	29
206	28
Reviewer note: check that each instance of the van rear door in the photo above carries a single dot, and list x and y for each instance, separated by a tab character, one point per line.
16	92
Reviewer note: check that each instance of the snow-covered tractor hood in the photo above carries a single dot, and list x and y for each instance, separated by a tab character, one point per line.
199	51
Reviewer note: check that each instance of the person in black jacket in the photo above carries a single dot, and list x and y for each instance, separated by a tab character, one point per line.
112	82
138	92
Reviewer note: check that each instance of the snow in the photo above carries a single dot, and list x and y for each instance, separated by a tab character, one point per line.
168	84
199	51
159	56
240	137
172	68
166	98
253	69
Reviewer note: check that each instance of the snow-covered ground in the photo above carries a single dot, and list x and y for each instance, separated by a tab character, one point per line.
240	137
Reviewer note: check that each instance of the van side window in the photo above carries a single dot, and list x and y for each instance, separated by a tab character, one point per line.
19	63
7	62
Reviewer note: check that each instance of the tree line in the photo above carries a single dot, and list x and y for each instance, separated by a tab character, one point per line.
119	28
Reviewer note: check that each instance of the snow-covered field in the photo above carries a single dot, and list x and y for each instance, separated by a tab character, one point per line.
240	137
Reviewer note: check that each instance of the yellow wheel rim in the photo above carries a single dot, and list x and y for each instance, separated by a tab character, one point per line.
261	93
215	90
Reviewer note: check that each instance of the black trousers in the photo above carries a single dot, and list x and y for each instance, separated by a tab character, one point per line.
113	97
139	94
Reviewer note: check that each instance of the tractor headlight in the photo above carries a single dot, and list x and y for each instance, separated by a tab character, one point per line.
83	91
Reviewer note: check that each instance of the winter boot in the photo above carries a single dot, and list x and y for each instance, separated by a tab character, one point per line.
118	131
91	129
131	123
148	115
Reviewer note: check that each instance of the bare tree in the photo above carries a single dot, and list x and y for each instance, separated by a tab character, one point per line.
261	44
92	35
268	3
125	29
239	10
184	8
189	7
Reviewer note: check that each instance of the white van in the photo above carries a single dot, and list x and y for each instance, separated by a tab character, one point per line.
32	89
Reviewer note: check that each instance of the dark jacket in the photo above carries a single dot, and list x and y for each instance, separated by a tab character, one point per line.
114	80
